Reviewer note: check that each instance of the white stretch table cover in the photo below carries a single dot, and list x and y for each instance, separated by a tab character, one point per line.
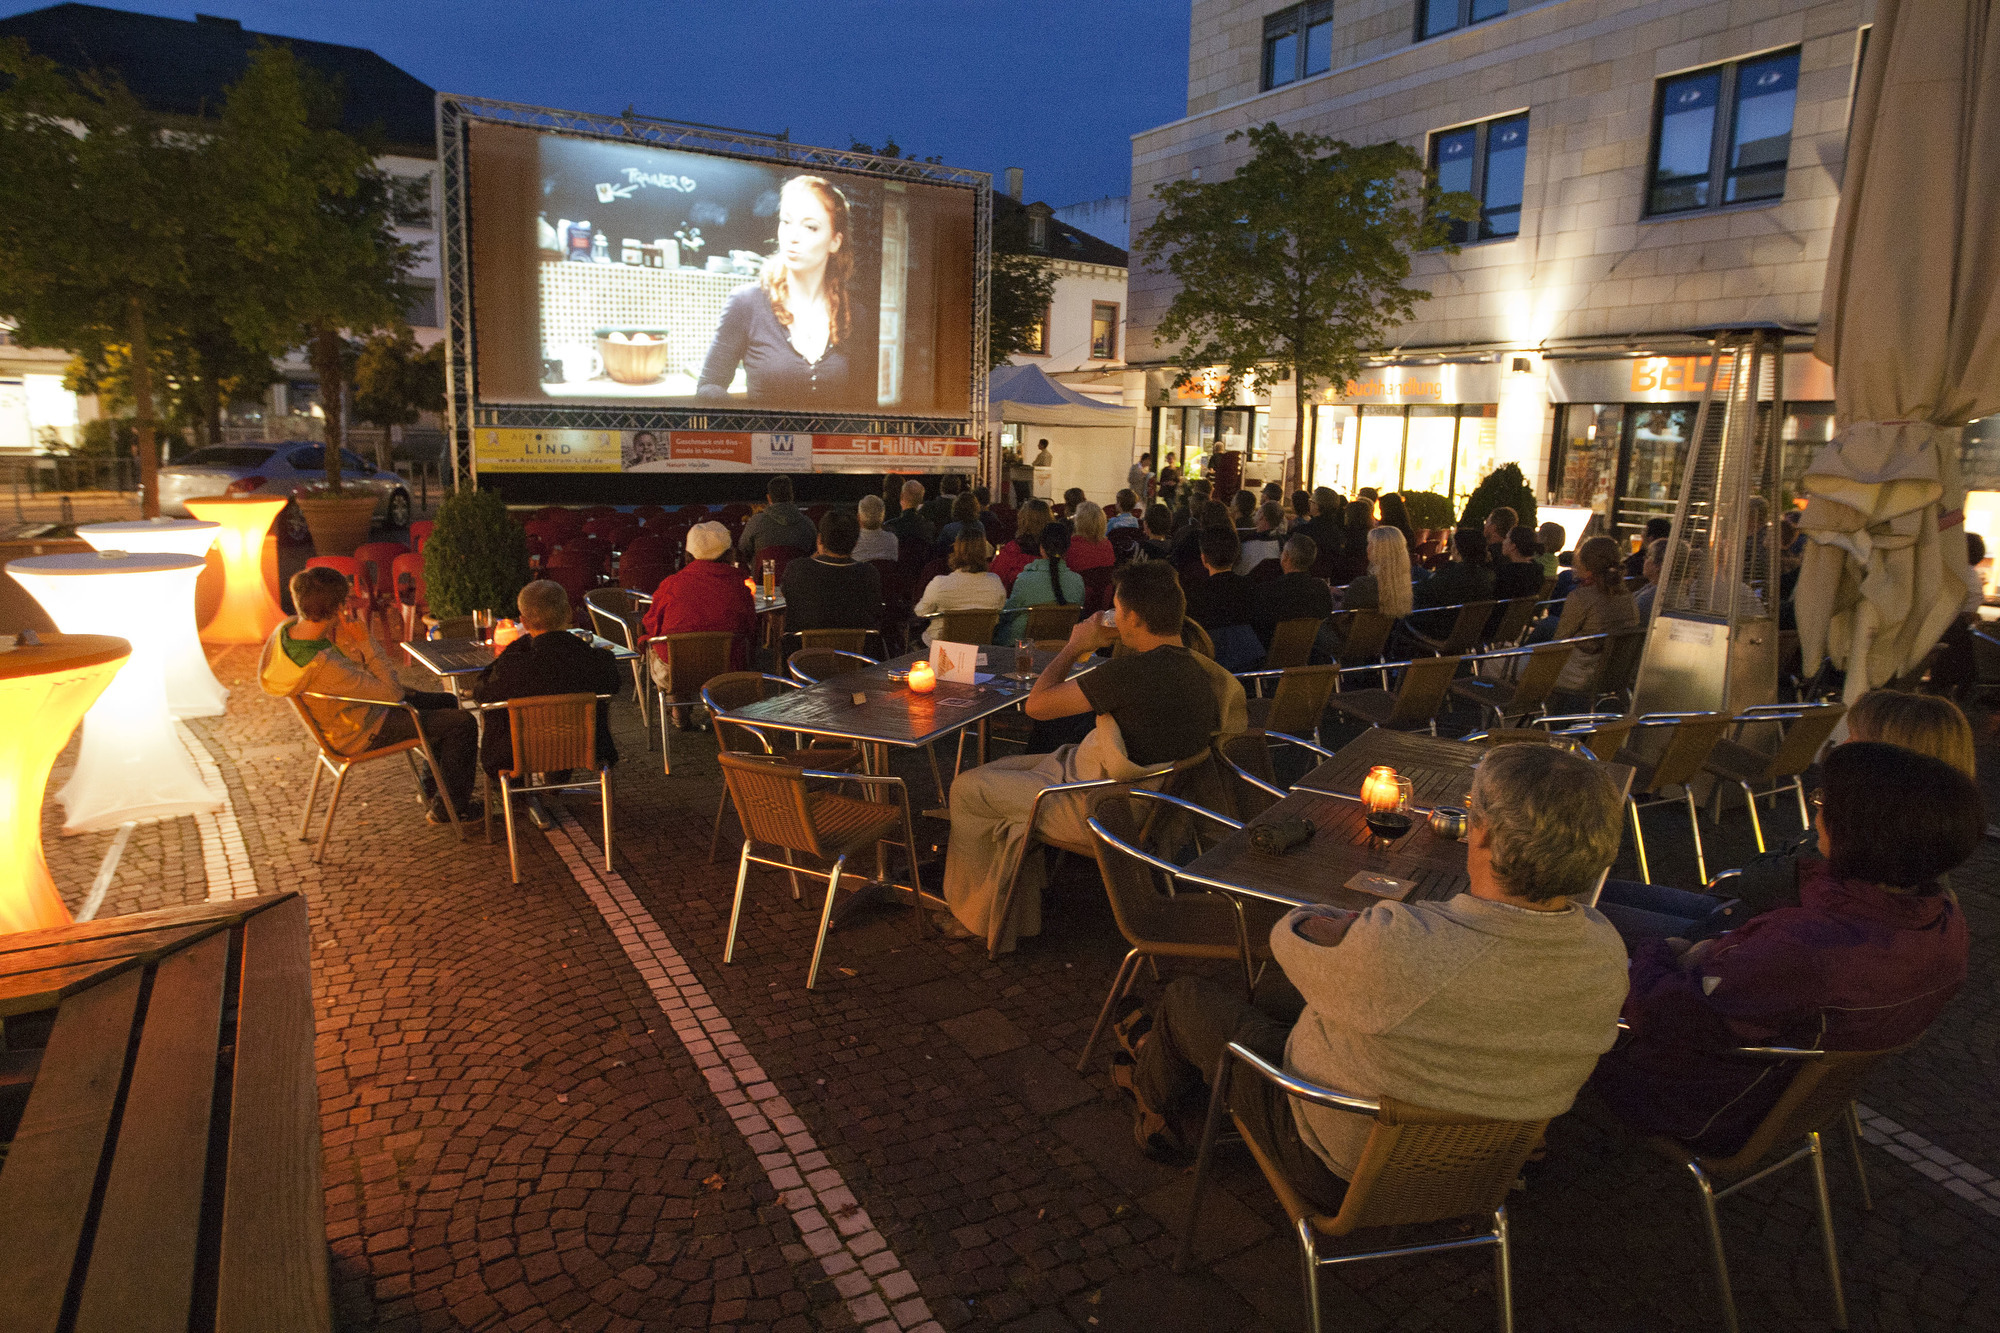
192	689
131	764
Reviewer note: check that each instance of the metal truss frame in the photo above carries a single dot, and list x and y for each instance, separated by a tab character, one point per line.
464	410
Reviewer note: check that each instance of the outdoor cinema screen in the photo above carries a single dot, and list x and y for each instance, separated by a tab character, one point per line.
613	273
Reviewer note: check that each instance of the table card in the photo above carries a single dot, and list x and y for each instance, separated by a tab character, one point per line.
956	662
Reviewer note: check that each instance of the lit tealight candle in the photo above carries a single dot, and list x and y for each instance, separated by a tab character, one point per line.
923	677
505	633
1379	790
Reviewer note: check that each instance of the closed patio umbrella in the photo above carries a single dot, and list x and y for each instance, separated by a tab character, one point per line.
1910	323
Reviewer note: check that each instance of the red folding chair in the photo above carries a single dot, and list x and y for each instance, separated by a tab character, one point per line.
583	552
378	562
1096	590
360	590
648	548
411	592
778	556
420	532
641	576
576	582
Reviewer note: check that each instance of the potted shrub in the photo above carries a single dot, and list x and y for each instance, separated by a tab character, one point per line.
1427	509
1504	485
476	558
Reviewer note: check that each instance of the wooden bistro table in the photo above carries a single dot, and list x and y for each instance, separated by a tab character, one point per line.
1440	773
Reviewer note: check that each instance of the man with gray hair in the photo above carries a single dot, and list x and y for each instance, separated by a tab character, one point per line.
910	525
546	660
1494	1003
874	544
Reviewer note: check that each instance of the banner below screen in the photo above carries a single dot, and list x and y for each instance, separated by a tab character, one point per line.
515	450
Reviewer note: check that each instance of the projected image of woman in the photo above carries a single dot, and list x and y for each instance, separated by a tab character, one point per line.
789	332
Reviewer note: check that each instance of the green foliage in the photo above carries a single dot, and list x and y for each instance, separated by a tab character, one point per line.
1297	264
1504	485
1427	509
476	558
393	381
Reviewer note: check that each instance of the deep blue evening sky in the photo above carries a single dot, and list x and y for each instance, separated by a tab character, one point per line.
1054	88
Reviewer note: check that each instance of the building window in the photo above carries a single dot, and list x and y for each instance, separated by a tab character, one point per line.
1488	161
1723	135
1103	331
422	310
1036	343
1442	16
1298	42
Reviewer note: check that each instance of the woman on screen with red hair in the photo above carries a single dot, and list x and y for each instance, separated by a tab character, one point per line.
789	332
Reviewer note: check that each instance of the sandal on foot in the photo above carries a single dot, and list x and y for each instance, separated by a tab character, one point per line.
1132	1028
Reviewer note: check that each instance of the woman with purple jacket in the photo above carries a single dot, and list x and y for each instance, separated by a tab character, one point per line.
1869	956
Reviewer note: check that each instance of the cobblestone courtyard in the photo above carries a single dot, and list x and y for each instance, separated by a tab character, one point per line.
550	1106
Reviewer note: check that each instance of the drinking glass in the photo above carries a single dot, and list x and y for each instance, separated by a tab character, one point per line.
482	626
1024	659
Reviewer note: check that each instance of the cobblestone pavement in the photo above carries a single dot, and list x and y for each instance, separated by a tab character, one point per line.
550	1106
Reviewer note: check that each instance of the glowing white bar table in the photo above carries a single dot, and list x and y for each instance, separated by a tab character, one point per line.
44	689
192	689
248	612
131	764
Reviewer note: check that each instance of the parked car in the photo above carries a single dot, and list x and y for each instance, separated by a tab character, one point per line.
276	469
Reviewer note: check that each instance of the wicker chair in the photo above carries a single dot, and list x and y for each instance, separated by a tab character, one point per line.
1466	631
785	806
1413	703
331	760
810	666
615	615
1806	729
1523	696
724	694
1418	1166
1051	620
550	733
846	640
1366	639
965	626
1161	924
680	665
1512	621
1292	643
1247	755
1819	1095
1299	702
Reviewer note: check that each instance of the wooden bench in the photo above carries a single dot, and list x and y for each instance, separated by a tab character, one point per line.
160	1121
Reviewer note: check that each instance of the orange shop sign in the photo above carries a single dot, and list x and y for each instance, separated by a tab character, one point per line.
1678	374
1203	384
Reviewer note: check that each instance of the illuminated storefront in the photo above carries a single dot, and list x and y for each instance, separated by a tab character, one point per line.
1192	422
1413	428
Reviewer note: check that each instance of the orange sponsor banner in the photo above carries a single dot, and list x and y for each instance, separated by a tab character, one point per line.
894	453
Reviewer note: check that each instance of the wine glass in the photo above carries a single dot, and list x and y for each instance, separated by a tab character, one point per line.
1388	812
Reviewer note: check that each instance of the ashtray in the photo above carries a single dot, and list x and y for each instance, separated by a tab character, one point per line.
900	677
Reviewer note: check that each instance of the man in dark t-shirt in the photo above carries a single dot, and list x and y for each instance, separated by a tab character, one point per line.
1167	706
833	590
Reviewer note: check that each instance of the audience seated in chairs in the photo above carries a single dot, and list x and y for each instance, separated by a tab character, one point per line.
1046	579
778	523
317	652
1499	523
1157	705
1267	537
1599	605
1386	587
1127	513
967	587
833	590
912	530
1926	723
1157	538
1223	602
1656	564
874	543
1467	578
1495	1003
1517	573
964	519
707	595
1295	594
1088	546
1868	957
546	660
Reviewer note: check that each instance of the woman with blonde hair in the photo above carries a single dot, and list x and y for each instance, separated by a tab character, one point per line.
1088	546
1386	585
789	331
1927	723
968	587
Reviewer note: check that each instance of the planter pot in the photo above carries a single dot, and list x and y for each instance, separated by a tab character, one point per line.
339	523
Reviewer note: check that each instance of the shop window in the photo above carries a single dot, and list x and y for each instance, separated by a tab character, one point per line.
1488	161
1441	16
1426	447
1103	331
1585	471
1723	135
1298	43
1979	455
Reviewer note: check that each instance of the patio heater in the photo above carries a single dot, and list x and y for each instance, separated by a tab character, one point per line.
1712	644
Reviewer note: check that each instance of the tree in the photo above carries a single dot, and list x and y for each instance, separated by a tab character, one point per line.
317	219
1298	264
98	223
394	382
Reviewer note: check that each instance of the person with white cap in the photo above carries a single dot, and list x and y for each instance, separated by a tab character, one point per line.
708	594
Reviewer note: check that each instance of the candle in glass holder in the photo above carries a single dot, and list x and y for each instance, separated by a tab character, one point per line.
506	632
923	677
1378	789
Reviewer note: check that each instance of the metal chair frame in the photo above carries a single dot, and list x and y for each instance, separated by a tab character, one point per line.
1531	688
832	875
1685	766
598	601
1308	1228
1417	672
1292	643
1297	686
721	725
667	704
840	657
1821	719
331	760
1465	634
1256	782
514	708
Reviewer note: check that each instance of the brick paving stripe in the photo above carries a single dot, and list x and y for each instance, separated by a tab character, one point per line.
881	1296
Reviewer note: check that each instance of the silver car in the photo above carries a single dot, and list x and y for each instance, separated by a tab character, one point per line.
276	469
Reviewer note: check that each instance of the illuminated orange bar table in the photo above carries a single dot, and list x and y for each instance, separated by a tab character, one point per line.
44	690
248	612
131	764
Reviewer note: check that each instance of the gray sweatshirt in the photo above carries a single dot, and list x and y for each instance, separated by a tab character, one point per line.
1468	1006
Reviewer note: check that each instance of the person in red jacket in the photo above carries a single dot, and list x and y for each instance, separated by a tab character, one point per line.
1866	961
709	594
